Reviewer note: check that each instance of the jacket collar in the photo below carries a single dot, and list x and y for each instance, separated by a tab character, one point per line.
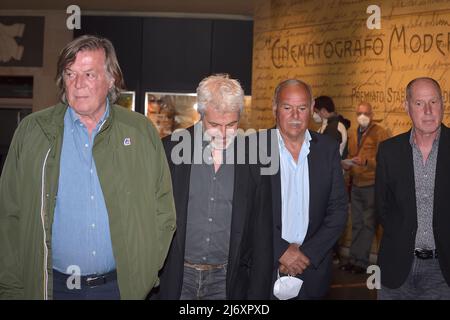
52	122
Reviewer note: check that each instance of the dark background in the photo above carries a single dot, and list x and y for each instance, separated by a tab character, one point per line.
175	54
156	54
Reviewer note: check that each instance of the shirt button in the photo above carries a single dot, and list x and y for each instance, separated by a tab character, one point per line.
212	199
92	170
92	197
214	178
207	239
204	258
93	253
93	225
209	158
210	219
86	145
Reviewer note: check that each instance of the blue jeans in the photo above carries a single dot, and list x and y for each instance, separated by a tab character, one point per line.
204	285
424	282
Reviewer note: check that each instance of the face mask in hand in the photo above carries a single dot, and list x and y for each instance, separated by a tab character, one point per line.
287	287
317	118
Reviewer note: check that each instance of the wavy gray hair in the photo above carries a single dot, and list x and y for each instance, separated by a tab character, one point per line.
221	93
89	42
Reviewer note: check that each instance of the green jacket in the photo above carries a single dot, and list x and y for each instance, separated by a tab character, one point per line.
136	185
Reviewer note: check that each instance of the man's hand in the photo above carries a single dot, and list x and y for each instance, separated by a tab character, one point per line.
293	261
346	165
358	161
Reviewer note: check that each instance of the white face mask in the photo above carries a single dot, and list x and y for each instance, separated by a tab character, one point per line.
363	121
287	287
317	118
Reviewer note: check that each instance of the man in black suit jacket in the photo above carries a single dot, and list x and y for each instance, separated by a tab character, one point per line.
222	245
304	248
412	184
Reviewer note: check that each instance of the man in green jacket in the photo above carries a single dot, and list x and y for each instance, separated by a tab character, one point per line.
86	203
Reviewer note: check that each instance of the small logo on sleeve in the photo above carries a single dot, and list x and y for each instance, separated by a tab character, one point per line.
127	142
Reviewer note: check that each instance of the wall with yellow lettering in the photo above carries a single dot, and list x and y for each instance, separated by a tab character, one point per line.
329	45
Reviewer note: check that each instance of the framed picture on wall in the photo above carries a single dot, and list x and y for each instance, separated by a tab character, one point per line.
127	100
170	111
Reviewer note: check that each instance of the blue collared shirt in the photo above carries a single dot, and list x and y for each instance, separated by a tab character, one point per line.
80	235
294	191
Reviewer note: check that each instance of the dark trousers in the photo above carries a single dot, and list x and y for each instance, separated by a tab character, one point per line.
425	282
106	291
363	224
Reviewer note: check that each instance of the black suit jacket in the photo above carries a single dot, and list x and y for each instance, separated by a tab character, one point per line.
397	210
328	205
249	261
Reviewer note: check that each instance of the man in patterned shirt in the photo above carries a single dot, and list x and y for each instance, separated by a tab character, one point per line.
412	179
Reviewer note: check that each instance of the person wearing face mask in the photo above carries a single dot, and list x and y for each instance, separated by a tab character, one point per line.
333	124
361	164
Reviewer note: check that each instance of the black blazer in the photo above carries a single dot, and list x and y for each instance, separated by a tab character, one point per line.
249	262
397	210
328	210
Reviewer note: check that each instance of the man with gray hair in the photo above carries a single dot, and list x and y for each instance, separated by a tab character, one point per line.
411	192
309	201
222	247
86	205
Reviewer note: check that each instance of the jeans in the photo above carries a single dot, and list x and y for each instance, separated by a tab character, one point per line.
204	285
424	282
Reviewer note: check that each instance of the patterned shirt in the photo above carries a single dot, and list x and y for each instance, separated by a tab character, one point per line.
424	176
